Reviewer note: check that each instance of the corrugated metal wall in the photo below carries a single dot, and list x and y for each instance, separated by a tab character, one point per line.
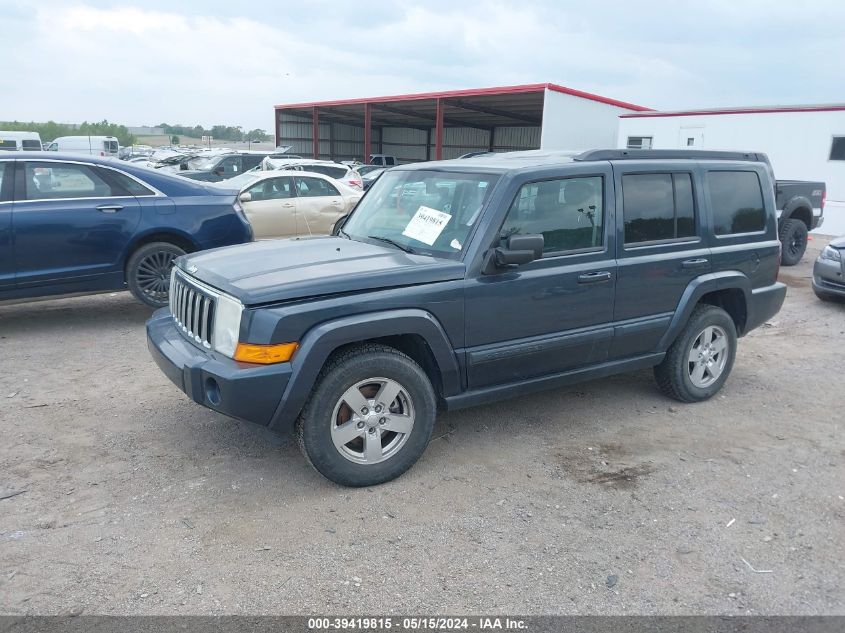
337	140
508	139
346	142
406	144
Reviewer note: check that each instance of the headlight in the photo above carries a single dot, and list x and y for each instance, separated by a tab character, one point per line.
833	254
227	325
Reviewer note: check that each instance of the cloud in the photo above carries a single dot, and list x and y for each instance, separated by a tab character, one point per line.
208	63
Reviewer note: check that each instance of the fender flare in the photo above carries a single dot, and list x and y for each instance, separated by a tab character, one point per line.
793	204
696	289
323	339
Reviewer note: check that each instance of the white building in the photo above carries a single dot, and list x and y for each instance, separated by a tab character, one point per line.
802	142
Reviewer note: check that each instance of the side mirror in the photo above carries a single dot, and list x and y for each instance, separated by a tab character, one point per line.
245	197
521	249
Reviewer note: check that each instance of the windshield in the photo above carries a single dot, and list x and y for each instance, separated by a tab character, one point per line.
429	212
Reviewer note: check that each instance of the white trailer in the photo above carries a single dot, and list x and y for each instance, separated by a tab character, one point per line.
802	142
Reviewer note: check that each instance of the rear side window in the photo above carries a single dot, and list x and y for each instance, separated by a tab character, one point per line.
737	201
657	207
314	187
55	181
111	147
8	146
130	185
31	145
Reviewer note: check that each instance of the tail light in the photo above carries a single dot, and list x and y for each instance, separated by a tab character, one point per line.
824	197
356	182
242	215
102	153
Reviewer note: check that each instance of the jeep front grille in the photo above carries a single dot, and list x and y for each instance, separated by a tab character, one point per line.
193	310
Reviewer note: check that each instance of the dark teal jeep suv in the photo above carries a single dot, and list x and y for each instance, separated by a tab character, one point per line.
457	283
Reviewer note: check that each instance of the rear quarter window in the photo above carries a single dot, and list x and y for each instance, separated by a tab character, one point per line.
736	199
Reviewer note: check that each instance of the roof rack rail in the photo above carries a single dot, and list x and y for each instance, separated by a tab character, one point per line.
646	154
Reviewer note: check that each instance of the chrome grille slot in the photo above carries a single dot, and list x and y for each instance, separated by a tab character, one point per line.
192	309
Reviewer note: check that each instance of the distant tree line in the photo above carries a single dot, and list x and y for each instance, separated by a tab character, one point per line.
51	130
219	132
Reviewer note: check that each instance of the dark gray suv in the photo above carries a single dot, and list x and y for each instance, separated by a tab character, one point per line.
462	282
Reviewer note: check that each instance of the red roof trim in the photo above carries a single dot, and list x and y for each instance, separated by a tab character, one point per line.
599	98
478	92
772	110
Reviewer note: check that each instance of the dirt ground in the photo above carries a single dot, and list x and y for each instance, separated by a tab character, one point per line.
602	498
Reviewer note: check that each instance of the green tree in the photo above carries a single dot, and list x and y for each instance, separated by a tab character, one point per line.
257	135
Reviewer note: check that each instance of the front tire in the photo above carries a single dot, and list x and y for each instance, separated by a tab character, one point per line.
369	417
793	240
148	272
700	360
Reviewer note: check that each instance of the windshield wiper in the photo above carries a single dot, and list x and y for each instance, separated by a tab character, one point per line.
401	247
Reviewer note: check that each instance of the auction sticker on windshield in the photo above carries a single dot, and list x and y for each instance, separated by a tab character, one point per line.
426	225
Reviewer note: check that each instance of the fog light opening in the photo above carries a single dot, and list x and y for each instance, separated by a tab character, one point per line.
212	391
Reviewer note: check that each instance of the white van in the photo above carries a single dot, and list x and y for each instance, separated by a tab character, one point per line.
20	141
92	145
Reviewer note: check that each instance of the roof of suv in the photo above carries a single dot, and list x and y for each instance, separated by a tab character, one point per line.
507	161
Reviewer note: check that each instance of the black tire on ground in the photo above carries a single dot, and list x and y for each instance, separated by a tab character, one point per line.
148	272
793	240
674	373
327	410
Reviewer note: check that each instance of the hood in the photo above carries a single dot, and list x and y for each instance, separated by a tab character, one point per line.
281	270
838	242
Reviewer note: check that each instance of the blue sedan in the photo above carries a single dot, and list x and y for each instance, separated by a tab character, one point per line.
78	225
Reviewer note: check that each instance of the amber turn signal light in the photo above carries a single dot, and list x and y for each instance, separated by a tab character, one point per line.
265	354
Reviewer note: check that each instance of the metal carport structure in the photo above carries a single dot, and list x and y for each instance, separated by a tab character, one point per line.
434	125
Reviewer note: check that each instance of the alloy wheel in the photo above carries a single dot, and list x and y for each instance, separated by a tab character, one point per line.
372	420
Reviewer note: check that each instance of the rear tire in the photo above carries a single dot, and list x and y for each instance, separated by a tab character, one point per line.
793	239
353	437
699	361
148	272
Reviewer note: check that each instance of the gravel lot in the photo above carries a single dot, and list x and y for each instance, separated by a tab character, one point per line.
602	498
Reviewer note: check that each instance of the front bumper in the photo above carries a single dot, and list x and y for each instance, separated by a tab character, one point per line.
829	277
240	390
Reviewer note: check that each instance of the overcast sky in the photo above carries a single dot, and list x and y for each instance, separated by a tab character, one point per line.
209	62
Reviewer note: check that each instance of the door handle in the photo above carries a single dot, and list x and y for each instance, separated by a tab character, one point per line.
288	205
695	263
109	208
594	278
336	203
